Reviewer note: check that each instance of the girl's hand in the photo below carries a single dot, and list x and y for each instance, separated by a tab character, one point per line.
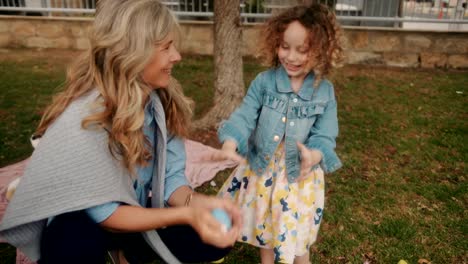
207	203
221	155
309	158
227	152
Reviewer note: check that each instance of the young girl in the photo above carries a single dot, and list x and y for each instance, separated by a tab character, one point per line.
286	127
111	138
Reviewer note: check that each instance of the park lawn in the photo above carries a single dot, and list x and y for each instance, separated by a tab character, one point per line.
402	191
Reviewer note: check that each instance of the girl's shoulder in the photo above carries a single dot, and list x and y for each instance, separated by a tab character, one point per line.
265	78
267	75
325	84
326	88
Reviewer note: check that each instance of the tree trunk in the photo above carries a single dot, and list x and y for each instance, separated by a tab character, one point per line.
229	80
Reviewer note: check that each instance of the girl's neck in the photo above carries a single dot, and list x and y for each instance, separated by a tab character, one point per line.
296	83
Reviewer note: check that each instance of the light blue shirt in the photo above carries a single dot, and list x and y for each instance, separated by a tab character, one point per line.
175	169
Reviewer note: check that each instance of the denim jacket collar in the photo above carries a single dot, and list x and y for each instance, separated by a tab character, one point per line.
283	84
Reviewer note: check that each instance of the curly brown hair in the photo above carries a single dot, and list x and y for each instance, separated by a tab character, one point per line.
325	37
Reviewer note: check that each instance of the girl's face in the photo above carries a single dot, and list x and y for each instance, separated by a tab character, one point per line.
158	71
293	52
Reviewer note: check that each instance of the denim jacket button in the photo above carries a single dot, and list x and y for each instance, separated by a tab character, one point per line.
283	119
292	123
267	157
295	100
276	138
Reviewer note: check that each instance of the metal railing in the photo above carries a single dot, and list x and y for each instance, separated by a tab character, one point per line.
429	14
48	7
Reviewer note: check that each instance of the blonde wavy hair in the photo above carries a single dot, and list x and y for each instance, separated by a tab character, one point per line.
325	37
122	41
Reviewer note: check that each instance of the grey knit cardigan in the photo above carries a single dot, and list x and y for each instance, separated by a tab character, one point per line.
72	169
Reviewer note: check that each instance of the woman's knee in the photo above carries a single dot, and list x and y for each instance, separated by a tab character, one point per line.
73	238
187	245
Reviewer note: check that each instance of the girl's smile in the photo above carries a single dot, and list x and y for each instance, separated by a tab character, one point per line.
291	67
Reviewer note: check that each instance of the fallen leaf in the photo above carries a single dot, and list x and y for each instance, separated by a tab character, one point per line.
424	261
369	258
391	149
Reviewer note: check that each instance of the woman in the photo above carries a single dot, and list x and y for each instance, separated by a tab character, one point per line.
109	140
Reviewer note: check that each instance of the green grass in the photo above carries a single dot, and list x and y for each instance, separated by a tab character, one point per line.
402	192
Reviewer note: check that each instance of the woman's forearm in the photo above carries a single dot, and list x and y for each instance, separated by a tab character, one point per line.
180	196
129	218
185	196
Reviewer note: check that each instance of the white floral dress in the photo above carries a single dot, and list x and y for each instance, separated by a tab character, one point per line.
277	215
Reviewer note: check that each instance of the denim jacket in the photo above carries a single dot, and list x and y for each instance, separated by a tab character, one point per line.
271	111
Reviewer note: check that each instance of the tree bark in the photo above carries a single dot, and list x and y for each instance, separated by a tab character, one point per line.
228	73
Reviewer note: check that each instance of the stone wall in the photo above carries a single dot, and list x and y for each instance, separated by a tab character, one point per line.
407	48
38	32
389	47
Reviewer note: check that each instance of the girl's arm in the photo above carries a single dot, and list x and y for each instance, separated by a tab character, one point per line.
243	120
309	158
322	136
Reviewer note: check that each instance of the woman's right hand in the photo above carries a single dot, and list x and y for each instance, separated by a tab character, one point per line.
210	230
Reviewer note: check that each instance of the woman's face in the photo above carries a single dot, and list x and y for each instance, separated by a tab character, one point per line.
158	71
293	52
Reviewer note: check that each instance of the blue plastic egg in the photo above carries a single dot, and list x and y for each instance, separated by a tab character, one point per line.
223	217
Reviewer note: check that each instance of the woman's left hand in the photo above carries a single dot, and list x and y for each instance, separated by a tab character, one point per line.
309	158
213	202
